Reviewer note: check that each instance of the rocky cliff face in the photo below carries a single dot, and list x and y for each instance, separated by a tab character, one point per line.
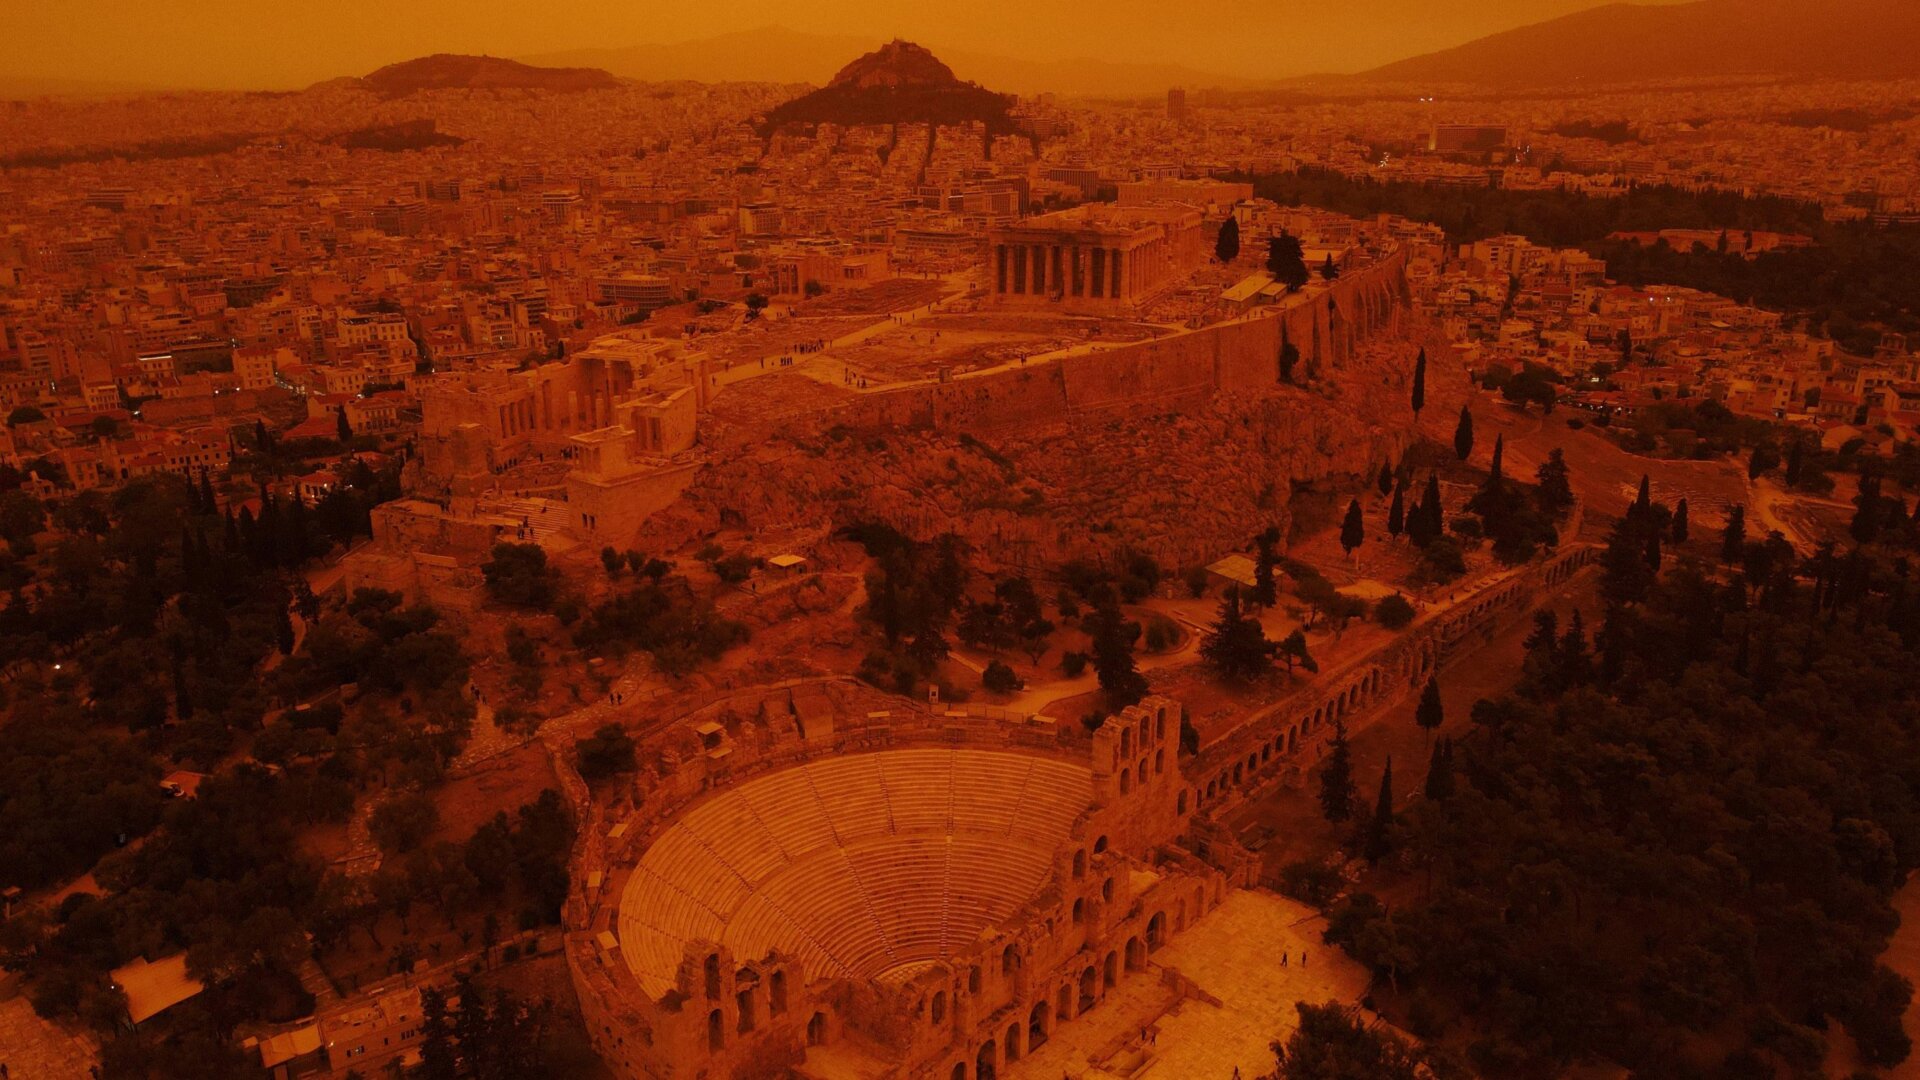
1185	486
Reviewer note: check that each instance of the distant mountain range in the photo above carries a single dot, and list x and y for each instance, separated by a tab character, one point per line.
777	54
899	82
1623	43
448	71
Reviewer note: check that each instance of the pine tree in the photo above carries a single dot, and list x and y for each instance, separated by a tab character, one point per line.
1680	522
1379	841
1236	645
1353	530
1420	382
1440	771
1733	540
1227	247
1463	434
1554	495
1336	777
1429	714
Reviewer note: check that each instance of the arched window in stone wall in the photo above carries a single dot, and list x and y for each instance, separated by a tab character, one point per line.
1079	865
1106	890
940	1007
713	975
716	1031
777	993
1126	780
1100	845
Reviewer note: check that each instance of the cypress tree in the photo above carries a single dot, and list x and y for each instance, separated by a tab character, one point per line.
1733	541
1643	502
1336	778
1227	247
1429	714
1379	841
342	430
1420	382
1385	481
1440	770
1396	519
1353	530
1680	522
1463	434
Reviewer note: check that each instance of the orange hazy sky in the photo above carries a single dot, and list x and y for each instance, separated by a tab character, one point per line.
277	44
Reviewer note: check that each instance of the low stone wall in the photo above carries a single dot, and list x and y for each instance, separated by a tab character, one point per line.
1282	741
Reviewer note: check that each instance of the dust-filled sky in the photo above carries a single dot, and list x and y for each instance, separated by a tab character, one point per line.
279	44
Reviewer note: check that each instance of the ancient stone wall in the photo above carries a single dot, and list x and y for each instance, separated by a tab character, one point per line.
1240	759
1092	924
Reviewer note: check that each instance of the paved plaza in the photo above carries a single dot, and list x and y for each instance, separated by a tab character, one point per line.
35	1049
1232	955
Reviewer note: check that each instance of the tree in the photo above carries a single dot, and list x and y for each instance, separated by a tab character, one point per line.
1796	462
1379	838
1733	539
1463	434
1385	480
25	414
1265	592
1439	783
1287	262
518	575
342	430
1289	358
608	751
1396	513
1227	247
1643	501
1353	530
1112	645
1334	1043
1680	522
437	1060
1000	679
1764	459
1336	777
1236	645
1420	382
1293	650
1393	612
1554	494
403	821
1328	270
1429	714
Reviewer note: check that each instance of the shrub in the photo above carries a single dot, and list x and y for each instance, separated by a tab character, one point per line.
1000	678
1161	633
1072	664
1393	612
607	751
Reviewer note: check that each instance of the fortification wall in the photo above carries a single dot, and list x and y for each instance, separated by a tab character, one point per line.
1168	374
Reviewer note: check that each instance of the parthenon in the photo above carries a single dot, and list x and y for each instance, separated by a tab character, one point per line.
1096	258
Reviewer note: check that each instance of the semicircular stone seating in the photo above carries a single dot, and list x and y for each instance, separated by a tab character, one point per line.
869	866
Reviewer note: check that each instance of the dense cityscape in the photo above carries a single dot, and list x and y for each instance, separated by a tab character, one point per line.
520	569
